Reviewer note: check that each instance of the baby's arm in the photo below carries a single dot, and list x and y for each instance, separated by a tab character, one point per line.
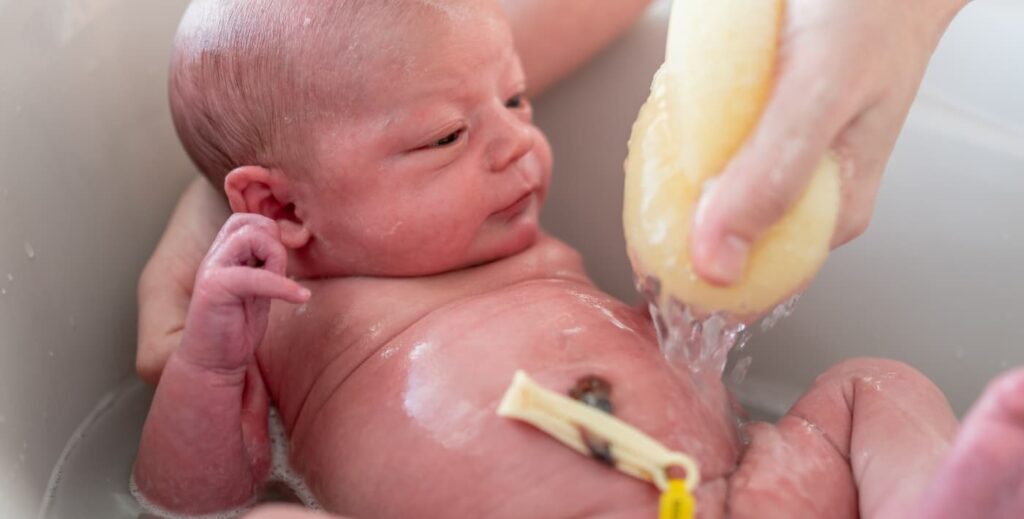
204	446
879	422
165	286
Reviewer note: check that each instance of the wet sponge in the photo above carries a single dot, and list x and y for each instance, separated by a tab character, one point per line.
704	102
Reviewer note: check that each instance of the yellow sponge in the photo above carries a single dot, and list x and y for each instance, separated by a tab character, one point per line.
704	103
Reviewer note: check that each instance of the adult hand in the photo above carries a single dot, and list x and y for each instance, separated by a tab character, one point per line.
847	73
165	287
554	38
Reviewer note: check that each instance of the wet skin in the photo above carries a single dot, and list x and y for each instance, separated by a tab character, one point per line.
385	384
417	395
431	284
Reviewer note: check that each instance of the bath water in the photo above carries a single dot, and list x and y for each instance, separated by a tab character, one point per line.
93	476
702	344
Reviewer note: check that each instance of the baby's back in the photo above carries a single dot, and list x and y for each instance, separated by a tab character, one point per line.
389	389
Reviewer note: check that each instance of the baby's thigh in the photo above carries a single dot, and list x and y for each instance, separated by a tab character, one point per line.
876	422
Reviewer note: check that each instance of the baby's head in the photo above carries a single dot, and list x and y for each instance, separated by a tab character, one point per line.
386	137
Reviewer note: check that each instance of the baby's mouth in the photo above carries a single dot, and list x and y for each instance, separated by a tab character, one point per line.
517	207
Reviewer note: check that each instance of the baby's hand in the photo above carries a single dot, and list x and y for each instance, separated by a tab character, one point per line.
241	273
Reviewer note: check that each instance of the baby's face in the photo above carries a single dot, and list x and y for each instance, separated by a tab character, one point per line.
443	167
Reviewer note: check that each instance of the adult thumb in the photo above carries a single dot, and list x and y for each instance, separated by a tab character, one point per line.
766	176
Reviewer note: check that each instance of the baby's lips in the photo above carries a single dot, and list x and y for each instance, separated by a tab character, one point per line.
517	206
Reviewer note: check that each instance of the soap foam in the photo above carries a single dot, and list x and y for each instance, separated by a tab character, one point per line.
281	470
150	509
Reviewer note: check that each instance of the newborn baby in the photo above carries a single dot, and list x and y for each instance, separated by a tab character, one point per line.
381	153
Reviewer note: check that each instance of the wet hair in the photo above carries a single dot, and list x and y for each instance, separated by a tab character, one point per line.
250	80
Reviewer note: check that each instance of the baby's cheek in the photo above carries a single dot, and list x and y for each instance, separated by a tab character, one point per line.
433	239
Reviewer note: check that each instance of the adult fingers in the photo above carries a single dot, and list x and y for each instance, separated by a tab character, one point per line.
864	147
771	170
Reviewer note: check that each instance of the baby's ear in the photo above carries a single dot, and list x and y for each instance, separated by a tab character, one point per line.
257	190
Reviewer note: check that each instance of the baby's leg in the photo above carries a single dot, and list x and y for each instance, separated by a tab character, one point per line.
868	436
984	473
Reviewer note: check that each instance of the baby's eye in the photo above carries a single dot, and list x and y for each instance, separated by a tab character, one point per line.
514	102
447	140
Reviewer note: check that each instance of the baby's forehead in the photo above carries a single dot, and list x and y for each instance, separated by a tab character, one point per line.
436	43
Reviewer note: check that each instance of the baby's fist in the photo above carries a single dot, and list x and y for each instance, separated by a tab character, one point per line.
241	273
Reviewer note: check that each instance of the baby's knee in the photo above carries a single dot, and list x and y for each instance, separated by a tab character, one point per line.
876	373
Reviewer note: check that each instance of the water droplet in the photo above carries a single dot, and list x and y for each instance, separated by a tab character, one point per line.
739	371
10	277
29	251
700	343
784	310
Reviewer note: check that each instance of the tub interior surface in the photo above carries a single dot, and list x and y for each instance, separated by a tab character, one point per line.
92	169
90	173
93	477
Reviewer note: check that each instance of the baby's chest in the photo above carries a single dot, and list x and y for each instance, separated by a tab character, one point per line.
542	322
428	396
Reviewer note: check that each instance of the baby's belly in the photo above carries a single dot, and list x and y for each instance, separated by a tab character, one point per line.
413	431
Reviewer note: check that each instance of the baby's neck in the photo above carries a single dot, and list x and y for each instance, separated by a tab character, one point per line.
546	253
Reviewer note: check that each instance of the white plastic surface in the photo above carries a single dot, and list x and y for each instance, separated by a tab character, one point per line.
89	169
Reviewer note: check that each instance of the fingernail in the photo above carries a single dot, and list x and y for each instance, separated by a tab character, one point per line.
729	260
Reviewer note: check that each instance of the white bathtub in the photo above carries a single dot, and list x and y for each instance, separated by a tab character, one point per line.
89	169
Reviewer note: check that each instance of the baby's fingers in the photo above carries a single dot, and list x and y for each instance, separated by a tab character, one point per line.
248	282
249	239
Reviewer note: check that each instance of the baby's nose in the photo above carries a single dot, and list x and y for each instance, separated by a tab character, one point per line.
511	142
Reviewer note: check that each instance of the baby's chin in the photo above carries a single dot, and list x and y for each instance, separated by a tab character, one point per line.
503	236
